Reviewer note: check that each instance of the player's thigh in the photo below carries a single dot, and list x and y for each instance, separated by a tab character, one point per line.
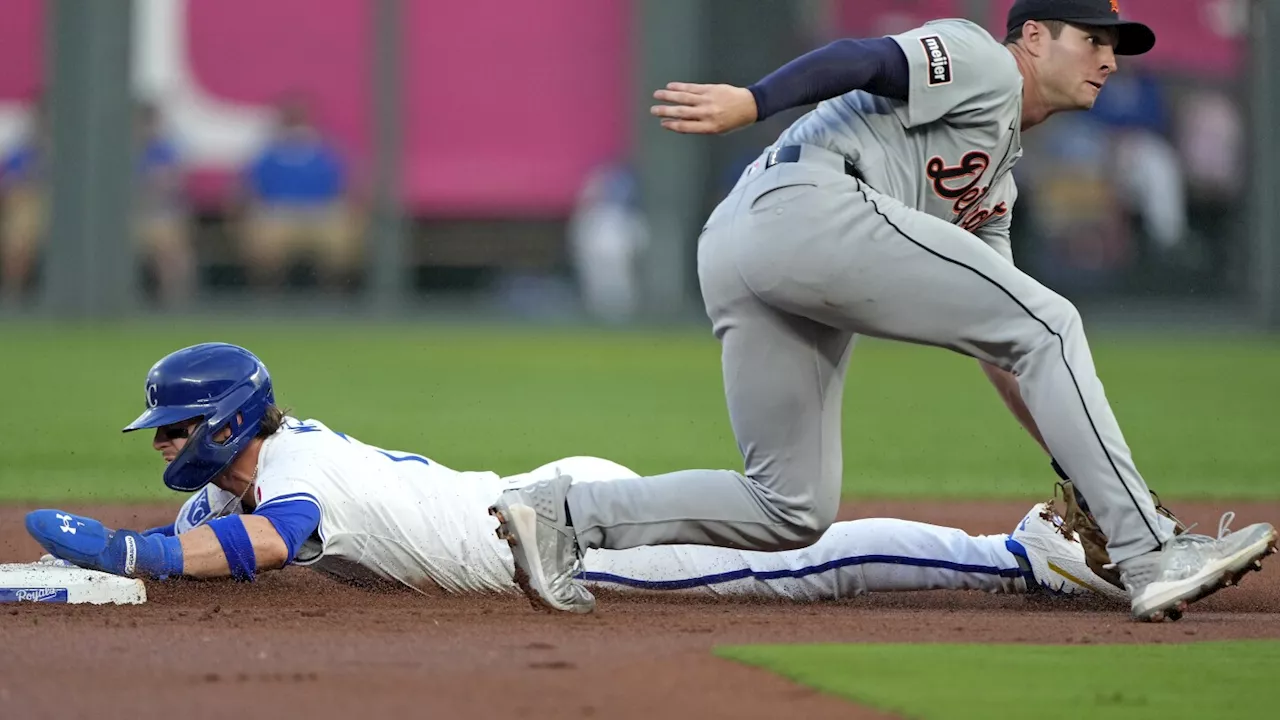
784	387
917	278
776	363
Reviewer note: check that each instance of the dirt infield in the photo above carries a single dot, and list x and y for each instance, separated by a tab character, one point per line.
297	645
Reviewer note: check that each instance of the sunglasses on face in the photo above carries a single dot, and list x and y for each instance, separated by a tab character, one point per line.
175	432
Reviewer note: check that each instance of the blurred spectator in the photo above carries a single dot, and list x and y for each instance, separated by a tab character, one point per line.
161	216
1145	164
23	177
1211	137
606	234
296	193
1078	240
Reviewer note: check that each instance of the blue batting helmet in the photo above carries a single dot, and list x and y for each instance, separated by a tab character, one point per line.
224	384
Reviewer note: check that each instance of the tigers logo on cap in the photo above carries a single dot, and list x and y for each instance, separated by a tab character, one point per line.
1115	6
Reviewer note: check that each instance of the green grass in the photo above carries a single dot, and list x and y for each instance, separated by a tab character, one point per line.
1200	414
1099	682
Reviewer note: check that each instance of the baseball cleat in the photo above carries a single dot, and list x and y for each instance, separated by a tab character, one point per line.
534	522
1190	567
1054	557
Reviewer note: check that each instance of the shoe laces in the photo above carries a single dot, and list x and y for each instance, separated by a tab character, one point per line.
1224	529
1188	539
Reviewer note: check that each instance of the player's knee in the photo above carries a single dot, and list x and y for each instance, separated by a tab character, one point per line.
806	525
1068	315
1059	316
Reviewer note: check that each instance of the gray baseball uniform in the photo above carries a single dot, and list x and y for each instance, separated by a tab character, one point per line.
878	217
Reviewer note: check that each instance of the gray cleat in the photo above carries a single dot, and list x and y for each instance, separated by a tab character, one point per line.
1189	567
533	520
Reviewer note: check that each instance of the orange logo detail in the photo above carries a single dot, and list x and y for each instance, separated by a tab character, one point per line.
1115	6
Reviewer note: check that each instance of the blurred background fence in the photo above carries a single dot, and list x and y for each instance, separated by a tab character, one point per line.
395	158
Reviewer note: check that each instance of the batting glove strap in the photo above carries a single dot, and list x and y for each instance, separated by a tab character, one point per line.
133	554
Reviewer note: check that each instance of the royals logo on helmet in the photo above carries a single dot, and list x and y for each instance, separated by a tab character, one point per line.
939	60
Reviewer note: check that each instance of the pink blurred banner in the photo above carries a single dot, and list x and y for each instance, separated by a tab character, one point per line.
508	106
21	49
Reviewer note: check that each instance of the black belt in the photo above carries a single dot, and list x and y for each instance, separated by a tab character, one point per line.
791	153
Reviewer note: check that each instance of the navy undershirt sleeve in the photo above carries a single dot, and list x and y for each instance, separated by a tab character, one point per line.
876	65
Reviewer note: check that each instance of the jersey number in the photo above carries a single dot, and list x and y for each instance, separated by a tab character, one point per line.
303	427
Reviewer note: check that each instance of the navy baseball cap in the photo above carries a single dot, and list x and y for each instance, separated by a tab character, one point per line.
1134	37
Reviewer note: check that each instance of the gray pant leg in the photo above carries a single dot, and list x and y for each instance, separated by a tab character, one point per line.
784	384
913	277
809	243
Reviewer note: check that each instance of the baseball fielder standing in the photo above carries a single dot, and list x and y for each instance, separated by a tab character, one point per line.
885	212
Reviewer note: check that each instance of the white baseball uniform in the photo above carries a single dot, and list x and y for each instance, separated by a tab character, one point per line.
397	516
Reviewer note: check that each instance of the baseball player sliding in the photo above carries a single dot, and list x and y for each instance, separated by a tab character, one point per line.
885	211
270	490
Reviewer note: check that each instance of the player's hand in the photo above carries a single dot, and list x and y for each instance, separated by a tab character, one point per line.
704	109
89	544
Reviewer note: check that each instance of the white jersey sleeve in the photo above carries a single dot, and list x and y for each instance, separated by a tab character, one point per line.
958	72
296	481
298	472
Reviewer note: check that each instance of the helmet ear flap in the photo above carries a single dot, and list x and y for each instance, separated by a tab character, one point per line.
205	456
192	468
235	423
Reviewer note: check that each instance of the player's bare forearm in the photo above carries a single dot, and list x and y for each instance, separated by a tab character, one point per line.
203	557
1006	383
876	65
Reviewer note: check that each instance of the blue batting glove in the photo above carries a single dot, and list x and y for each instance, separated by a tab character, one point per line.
90	544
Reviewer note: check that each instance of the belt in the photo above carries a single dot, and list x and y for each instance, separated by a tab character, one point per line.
791	153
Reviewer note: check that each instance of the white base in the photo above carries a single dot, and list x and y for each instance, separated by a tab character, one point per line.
55	581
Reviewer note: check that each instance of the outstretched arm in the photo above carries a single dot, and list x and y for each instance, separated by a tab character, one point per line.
876	65
204	554
237	546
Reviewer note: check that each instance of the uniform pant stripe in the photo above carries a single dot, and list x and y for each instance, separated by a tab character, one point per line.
718	578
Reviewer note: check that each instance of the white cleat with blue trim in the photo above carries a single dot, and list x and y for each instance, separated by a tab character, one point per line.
1054	558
